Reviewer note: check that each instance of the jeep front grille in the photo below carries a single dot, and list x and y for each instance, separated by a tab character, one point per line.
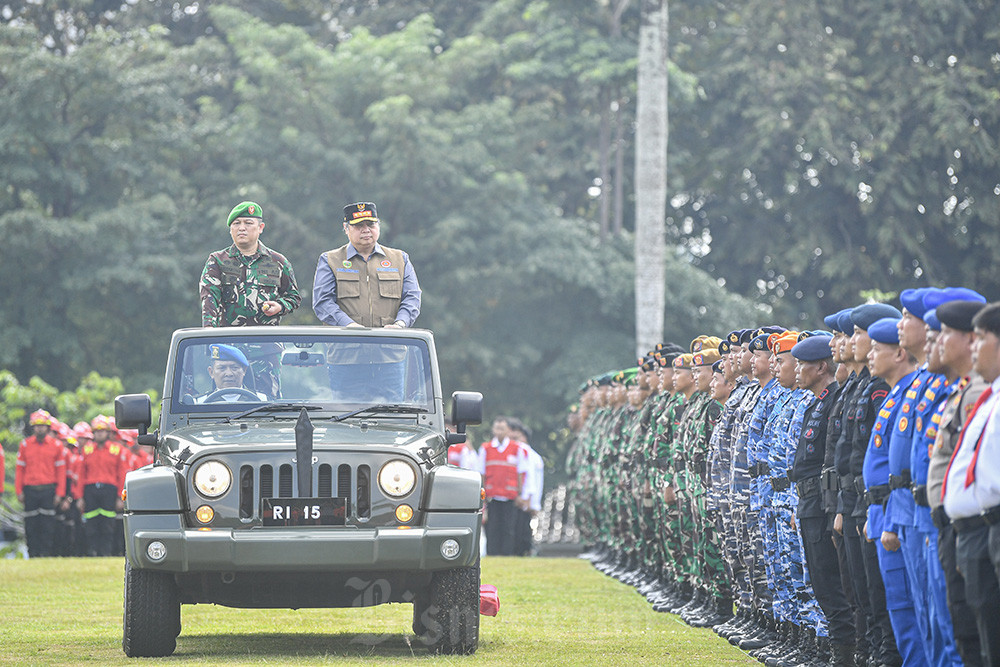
353	484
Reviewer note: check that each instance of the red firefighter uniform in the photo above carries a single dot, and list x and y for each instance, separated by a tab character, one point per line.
101	464
40	463
102	475
39	481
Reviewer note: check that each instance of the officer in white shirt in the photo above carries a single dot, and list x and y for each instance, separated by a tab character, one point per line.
971	491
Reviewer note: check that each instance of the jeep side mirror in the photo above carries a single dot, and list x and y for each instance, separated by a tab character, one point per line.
466	409
134	411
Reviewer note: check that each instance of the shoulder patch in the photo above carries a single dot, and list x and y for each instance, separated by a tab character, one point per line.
879	395
823	393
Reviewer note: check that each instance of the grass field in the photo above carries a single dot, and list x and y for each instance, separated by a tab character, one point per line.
553	611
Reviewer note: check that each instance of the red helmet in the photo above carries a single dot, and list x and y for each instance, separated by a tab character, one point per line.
82	430
40	418
101	423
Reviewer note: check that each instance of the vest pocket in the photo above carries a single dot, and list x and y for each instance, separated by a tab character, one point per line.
348	285
390	284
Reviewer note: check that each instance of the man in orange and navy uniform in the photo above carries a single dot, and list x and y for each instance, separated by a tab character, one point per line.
102	473
503	464
40	482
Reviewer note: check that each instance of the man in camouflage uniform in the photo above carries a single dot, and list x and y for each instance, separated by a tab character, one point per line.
246	283
709	575
249	284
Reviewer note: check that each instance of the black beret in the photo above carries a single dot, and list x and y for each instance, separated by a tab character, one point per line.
958	314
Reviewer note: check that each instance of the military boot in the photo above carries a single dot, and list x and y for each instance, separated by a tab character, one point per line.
841	654
766	636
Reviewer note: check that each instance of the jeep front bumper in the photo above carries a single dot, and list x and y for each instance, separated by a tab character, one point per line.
417	548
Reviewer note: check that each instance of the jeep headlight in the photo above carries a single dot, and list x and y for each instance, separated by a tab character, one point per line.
212	479
396	478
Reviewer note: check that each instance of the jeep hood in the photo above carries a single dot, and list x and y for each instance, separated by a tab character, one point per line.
201	438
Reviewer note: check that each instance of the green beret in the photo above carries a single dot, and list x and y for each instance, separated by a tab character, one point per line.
247	209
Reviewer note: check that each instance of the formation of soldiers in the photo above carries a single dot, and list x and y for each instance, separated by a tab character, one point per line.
785	488
70	480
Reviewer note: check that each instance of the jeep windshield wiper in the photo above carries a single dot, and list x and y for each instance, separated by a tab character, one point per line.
381	407
276	407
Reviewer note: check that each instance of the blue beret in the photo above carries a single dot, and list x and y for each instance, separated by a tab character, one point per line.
725	347
958	314
913	300
844	323
809	334
746	335
867	314
831	320
222	352
936	298
759	344
717	366
813	348
931	319
773	329
885	330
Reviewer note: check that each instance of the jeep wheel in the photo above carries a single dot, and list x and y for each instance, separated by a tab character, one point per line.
152	613
453	614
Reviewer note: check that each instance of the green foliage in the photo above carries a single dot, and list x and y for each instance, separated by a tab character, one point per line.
816	153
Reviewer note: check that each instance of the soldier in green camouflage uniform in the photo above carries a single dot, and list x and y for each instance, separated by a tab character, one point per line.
708	573
248	284
664	507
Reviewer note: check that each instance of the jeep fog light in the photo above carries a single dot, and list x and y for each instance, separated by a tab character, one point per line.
212	479
204	514
156	551
450	549
396	478
404	513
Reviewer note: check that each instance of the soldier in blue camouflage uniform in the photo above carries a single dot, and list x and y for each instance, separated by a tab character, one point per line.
794	605
759	631
757	464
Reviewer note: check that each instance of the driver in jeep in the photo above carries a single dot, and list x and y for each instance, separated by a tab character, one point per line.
227	370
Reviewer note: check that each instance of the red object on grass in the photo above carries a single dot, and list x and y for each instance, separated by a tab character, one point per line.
489	600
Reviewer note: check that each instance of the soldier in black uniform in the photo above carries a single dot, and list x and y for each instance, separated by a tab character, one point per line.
815	373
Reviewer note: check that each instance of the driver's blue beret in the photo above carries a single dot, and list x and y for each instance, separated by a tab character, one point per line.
220	352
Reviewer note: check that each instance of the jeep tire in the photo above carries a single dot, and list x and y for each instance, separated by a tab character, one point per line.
453	613
152	618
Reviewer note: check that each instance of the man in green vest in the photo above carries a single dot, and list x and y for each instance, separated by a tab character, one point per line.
362	283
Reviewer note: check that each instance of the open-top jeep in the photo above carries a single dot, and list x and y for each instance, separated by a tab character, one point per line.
301	467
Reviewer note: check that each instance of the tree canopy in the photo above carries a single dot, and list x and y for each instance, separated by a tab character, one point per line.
816	152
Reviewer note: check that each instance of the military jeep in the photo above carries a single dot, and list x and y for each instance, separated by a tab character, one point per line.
301	467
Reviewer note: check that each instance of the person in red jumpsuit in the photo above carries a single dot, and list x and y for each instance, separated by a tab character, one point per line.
102	473
40	483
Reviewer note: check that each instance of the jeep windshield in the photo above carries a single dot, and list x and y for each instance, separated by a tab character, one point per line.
235	374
